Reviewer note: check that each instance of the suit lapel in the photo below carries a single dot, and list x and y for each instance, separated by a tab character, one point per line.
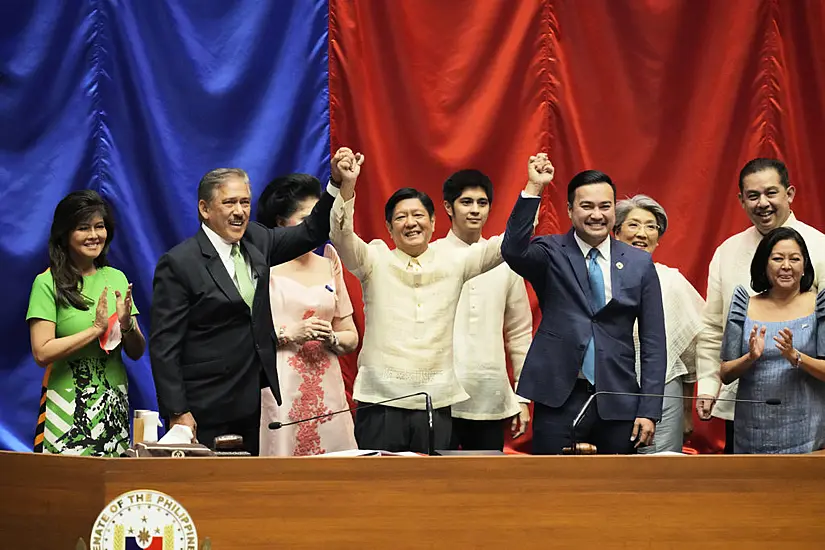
617	269
576	259
259	264
216	269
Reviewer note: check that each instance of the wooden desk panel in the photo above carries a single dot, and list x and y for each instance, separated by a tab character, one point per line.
752	502
48	502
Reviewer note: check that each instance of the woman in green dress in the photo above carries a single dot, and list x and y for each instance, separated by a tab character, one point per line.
80	317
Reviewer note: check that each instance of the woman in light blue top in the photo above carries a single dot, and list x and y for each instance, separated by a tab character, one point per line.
786	312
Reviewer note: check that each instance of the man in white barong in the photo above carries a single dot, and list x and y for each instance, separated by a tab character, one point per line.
493	322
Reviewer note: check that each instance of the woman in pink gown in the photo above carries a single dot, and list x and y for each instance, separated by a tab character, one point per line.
312	315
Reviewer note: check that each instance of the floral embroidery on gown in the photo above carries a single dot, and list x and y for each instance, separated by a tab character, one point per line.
309	375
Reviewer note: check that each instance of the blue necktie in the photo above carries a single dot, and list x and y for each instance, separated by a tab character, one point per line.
596	278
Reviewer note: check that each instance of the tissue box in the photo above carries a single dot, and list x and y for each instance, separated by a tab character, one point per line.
161	450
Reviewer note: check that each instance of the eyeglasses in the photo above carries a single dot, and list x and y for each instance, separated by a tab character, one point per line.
648	227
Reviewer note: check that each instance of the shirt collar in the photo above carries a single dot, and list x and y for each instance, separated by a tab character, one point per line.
603	248
791	222
453	239
406	259
224	248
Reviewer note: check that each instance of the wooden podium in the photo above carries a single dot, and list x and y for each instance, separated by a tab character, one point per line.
598	502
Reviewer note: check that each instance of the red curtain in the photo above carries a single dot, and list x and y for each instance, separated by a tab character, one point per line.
669	97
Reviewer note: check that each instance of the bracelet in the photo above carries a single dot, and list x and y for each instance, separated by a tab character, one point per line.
798	359
335	342
131	326
282	339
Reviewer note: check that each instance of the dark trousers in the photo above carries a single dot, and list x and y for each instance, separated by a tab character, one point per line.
478	435
729	437
383	428
552	426
247	427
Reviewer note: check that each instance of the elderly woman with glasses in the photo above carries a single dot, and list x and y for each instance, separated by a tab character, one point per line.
641	222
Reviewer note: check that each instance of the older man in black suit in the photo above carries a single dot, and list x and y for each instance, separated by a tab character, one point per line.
212	341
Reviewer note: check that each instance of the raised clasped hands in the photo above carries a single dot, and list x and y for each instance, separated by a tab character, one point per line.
540	170
345	166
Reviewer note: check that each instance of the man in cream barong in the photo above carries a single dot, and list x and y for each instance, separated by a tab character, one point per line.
411	294
641	222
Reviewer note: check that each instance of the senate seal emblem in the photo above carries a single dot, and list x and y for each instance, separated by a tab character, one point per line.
144	520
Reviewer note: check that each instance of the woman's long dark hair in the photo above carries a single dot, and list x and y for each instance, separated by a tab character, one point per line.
75	208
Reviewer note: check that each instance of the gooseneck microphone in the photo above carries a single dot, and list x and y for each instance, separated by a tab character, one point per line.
586	406
428	404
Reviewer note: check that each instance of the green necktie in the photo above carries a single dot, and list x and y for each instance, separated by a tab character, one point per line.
242	280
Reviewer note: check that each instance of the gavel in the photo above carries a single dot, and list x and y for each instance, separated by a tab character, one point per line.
581	449
229	445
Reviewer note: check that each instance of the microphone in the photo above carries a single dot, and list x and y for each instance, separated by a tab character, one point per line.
428	404
586	407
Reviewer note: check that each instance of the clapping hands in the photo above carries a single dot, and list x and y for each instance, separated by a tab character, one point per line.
784	343
124	308
756	342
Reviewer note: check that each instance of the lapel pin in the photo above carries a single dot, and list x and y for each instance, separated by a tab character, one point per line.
619	265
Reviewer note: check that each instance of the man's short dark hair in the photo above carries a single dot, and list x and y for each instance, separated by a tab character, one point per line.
466	179
760	164
588	177
408	193
759	264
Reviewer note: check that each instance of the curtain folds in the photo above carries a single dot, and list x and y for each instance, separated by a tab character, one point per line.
138	100
669	97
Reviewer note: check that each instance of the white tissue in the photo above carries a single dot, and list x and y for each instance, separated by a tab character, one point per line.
178	435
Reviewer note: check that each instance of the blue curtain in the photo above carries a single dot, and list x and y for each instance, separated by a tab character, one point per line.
138	99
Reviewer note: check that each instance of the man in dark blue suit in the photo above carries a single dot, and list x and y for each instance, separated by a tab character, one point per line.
592	289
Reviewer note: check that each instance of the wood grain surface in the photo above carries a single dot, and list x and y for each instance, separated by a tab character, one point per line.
690	502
